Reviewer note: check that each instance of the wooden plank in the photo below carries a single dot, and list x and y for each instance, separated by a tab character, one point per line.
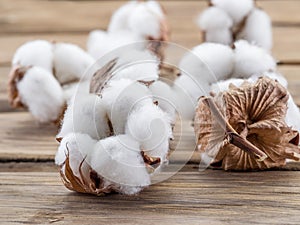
190	197
22	138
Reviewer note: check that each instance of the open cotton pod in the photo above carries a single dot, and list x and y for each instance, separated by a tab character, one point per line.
36	89
227	21
145	19
244	128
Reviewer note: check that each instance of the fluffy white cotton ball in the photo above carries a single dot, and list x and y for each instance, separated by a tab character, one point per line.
71	89
145	22
164	95
258	29
214	18
223	85
138	65
43	95
251	59
217	25
77	146
119	20
120	97
70	62
35	53
101	42
151	127
236	9
118	160
86	113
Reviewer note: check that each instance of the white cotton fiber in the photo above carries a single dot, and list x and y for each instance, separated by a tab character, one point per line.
293	114
273	75
236	9
155	7
223	85
222	36
70	62
164	95
119	20
71	89
35	53
120	97
150	127
86	113
118	160
251	59
258	29
77	146
100	42
144	22
214	18
43	95
137	65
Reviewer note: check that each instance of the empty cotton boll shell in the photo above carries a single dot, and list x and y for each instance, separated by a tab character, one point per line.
236	9
35	53
151	127
118	160
164	96
70	62
252	119
86	113
120	97
258	29
251	59
42	94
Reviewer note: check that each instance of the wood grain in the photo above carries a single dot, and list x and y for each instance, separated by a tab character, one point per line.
190	197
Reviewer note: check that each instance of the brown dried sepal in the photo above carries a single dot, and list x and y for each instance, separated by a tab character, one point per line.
88	182
16	74
151	163
257	113
168	73
102	76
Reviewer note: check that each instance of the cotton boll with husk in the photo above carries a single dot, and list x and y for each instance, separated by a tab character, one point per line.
251	59
86	113
258	29
70	62
119	162
151	127
236	9
101	42
216	25
35	53
164	96
120	97
42	94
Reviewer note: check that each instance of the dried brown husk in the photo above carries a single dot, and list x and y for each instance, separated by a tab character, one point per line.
16	74
256	112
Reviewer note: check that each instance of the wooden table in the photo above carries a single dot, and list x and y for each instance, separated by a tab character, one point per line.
30	188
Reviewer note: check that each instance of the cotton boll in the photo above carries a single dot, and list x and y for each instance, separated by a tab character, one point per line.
86	113
250	59
77	146
118	160
120	97
223	85
209	62
144	22
35	53
258	29
43	95
119	20
150	126
214	18
70	62
236	9
164	95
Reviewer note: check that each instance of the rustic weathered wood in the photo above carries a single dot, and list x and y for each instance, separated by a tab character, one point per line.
209	197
